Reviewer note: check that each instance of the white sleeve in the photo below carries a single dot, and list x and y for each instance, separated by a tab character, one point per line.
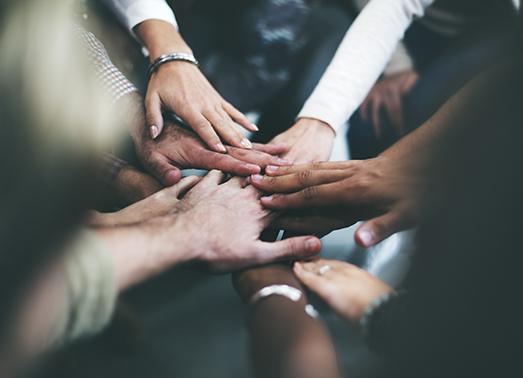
400	61
133	12
361	58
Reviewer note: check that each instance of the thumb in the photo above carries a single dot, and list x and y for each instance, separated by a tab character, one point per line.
164	171
289	249
153	115
375	230
184	185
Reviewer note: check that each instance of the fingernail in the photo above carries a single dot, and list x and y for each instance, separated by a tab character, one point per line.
311	244
297	266
221	147
154	131
267	199
246	143
257	178
255	127
284	162
253	168
271	168
366	237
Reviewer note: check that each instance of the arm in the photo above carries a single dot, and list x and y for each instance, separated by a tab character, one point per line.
284	340
104	261
395	190
180	86
360	59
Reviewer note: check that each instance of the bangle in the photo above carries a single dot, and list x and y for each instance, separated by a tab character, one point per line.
285	291
172	57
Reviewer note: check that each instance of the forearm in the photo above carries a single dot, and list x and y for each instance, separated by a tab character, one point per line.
285	340
160	37
139	253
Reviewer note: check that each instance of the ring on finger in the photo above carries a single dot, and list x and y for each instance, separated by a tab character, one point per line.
323	270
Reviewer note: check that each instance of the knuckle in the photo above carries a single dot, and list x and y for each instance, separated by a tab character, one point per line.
310	192
304	176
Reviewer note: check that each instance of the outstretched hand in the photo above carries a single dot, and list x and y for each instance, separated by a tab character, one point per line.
224	221
326	196
178	149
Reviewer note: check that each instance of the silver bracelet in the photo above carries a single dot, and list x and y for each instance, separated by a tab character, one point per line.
172	57
285	291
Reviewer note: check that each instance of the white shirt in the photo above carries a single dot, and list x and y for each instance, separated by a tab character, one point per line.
361	58
133	12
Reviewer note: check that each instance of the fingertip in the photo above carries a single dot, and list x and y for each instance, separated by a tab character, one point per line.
171	177
267	201
219	147
252	169
271	169
154	131
365	237
313	245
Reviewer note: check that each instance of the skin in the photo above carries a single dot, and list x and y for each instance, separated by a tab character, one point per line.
391	192
194	231
178	148
285	341
322	197
347	289
388	94
182	88
310	140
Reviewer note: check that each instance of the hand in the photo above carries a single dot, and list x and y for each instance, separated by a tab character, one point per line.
182	88
388	93
178	148
346	288
223	223
310	140
156	205
386	192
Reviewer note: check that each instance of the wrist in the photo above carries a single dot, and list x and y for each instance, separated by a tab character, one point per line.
316	124
160	37
142	251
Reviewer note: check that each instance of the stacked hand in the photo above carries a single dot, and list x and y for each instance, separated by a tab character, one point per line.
321	197
309	141
181	87
178	148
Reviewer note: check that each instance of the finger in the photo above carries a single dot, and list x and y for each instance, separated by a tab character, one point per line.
205	131
213	178
288	249
273	149
376	123
184	185
239	117
164	171
311	280
153	115
227	130
256	157
375	230
298	181
286	170
225	162
312	196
